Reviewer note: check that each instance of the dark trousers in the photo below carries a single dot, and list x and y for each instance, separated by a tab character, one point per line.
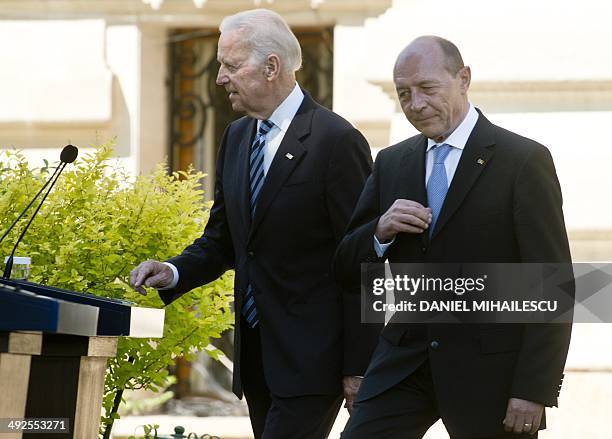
275	417
406	411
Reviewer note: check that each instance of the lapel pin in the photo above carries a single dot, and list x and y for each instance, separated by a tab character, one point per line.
289	156
480	161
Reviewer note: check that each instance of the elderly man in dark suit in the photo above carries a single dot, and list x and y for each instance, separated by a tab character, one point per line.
464	190
288	176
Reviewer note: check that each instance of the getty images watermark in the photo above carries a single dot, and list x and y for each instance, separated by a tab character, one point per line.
487	293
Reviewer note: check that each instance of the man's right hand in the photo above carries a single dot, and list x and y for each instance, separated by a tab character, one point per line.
151	274
405	216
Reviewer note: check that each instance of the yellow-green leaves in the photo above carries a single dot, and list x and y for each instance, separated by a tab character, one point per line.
99	223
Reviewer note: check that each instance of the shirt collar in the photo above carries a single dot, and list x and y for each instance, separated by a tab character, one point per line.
459	137
284	113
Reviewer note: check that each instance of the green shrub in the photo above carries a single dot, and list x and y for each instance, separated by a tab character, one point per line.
98	224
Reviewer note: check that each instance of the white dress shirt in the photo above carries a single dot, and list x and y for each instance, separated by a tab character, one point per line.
457	140
281	118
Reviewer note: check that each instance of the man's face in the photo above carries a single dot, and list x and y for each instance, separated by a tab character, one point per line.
433	100
243	78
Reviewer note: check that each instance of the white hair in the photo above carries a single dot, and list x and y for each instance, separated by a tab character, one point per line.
266	33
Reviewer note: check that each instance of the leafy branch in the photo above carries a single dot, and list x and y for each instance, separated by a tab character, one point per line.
98	222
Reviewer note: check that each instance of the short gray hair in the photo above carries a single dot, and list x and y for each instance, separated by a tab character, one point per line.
266	33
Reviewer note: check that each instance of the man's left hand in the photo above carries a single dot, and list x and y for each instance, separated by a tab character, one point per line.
350	385
523	416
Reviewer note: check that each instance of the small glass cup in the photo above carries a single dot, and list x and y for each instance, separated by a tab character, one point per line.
21	267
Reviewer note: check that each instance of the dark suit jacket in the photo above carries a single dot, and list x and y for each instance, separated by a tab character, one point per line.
507	209
310	335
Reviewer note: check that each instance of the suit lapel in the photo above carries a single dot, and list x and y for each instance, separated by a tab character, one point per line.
244	183
411	181
412	176
475	157
287	157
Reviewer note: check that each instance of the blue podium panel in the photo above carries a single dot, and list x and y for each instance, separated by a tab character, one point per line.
27	312
21	310
114	315
30	306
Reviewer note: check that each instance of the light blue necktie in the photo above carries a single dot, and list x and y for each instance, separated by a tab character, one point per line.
437	185
256	178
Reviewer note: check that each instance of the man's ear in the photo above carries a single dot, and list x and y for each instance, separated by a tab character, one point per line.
465	76
272	67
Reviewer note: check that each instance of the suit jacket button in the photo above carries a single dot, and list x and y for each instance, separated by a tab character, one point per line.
434	344
251	255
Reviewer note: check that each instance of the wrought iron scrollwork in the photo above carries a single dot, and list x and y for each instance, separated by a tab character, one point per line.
190	106
193	68
317	71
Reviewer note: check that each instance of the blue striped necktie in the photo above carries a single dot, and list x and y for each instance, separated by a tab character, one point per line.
437	185
257	177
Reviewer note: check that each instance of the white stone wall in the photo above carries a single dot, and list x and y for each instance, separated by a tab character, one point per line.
84	82
512	42
89	80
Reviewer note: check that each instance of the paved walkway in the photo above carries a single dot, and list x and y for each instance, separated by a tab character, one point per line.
585	412
585	405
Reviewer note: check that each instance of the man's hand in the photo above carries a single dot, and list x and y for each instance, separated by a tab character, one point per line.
151	274
523	416
405	216
351	387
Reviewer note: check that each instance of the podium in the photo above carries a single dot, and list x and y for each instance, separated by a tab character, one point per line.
54	345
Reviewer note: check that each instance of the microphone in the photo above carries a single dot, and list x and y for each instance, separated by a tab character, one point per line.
68	155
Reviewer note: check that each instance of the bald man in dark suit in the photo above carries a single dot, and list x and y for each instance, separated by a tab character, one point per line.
463	190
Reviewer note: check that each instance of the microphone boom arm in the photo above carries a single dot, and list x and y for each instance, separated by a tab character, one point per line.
23	212
68	155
